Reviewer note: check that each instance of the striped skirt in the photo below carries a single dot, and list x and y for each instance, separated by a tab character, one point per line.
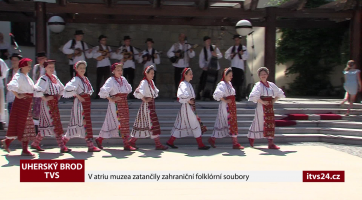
21	125
49	120
146	123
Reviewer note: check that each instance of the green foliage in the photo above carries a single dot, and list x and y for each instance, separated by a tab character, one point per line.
314	52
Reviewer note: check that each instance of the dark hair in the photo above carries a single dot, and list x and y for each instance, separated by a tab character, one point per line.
350	63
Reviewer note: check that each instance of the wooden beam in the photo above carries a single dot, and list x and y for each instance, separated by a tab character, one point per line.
314	13
270	39
41	33
144	10
356	38
24	6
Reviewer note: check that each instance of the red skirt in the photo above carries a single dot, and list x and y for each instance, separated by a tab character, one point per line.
87	122
232	117
269	120
156	130
21	123
55	115
123	115
203	128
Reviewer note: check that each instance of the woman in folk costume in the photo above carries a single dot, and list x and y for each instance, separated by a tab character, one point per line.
21	125
80	123
116	124
226	123
146	123
265	94
187	122
49	89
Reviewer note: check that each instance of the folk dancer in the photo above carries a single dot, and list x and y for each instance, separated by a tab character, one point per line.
226	123
102	53
187	122
80	123
21	125
116	123
76	50
3	72
237	54
265	94
150	56
49	89
146	123
10	97
207	53
180	53
38	71
127	54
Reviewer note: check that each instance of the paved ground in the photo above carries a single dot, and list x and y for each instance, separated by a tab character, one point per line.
292	157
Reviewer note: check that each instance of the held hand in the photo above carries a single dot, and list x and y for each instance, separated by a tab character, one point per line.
192	101
177	54
76	51
191	50
213	54
146	99
228	101
22	96
81	99
90	50
265	103
241	52
205	68
115	99
48	98
155	56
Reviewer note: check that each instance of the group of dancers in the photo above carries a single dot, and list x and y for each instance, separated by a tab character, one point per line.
116	89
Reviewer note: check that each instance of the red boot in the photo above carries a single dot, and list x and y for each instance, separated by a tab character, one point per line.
25	151
236	144
132	142
38	148
212	142
170	142
91	147
159	146
201	144
251	142
271	144
99	142
6	144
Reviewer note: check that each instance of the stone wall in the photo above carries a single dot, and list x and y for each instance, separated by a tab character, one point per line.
164	37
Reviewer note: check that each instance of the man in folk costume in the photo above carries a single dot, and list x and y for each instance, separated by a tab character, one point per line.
49	89
116	124
10	97
102	53
205	56
238	54
5	50
265	94
226	123
127	54
21	125
3	71
146	123
150	56
187	122
77	50
80	123
182	63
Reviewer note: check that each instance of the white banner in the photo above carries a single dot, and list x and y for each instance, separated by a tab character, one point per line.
194	176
